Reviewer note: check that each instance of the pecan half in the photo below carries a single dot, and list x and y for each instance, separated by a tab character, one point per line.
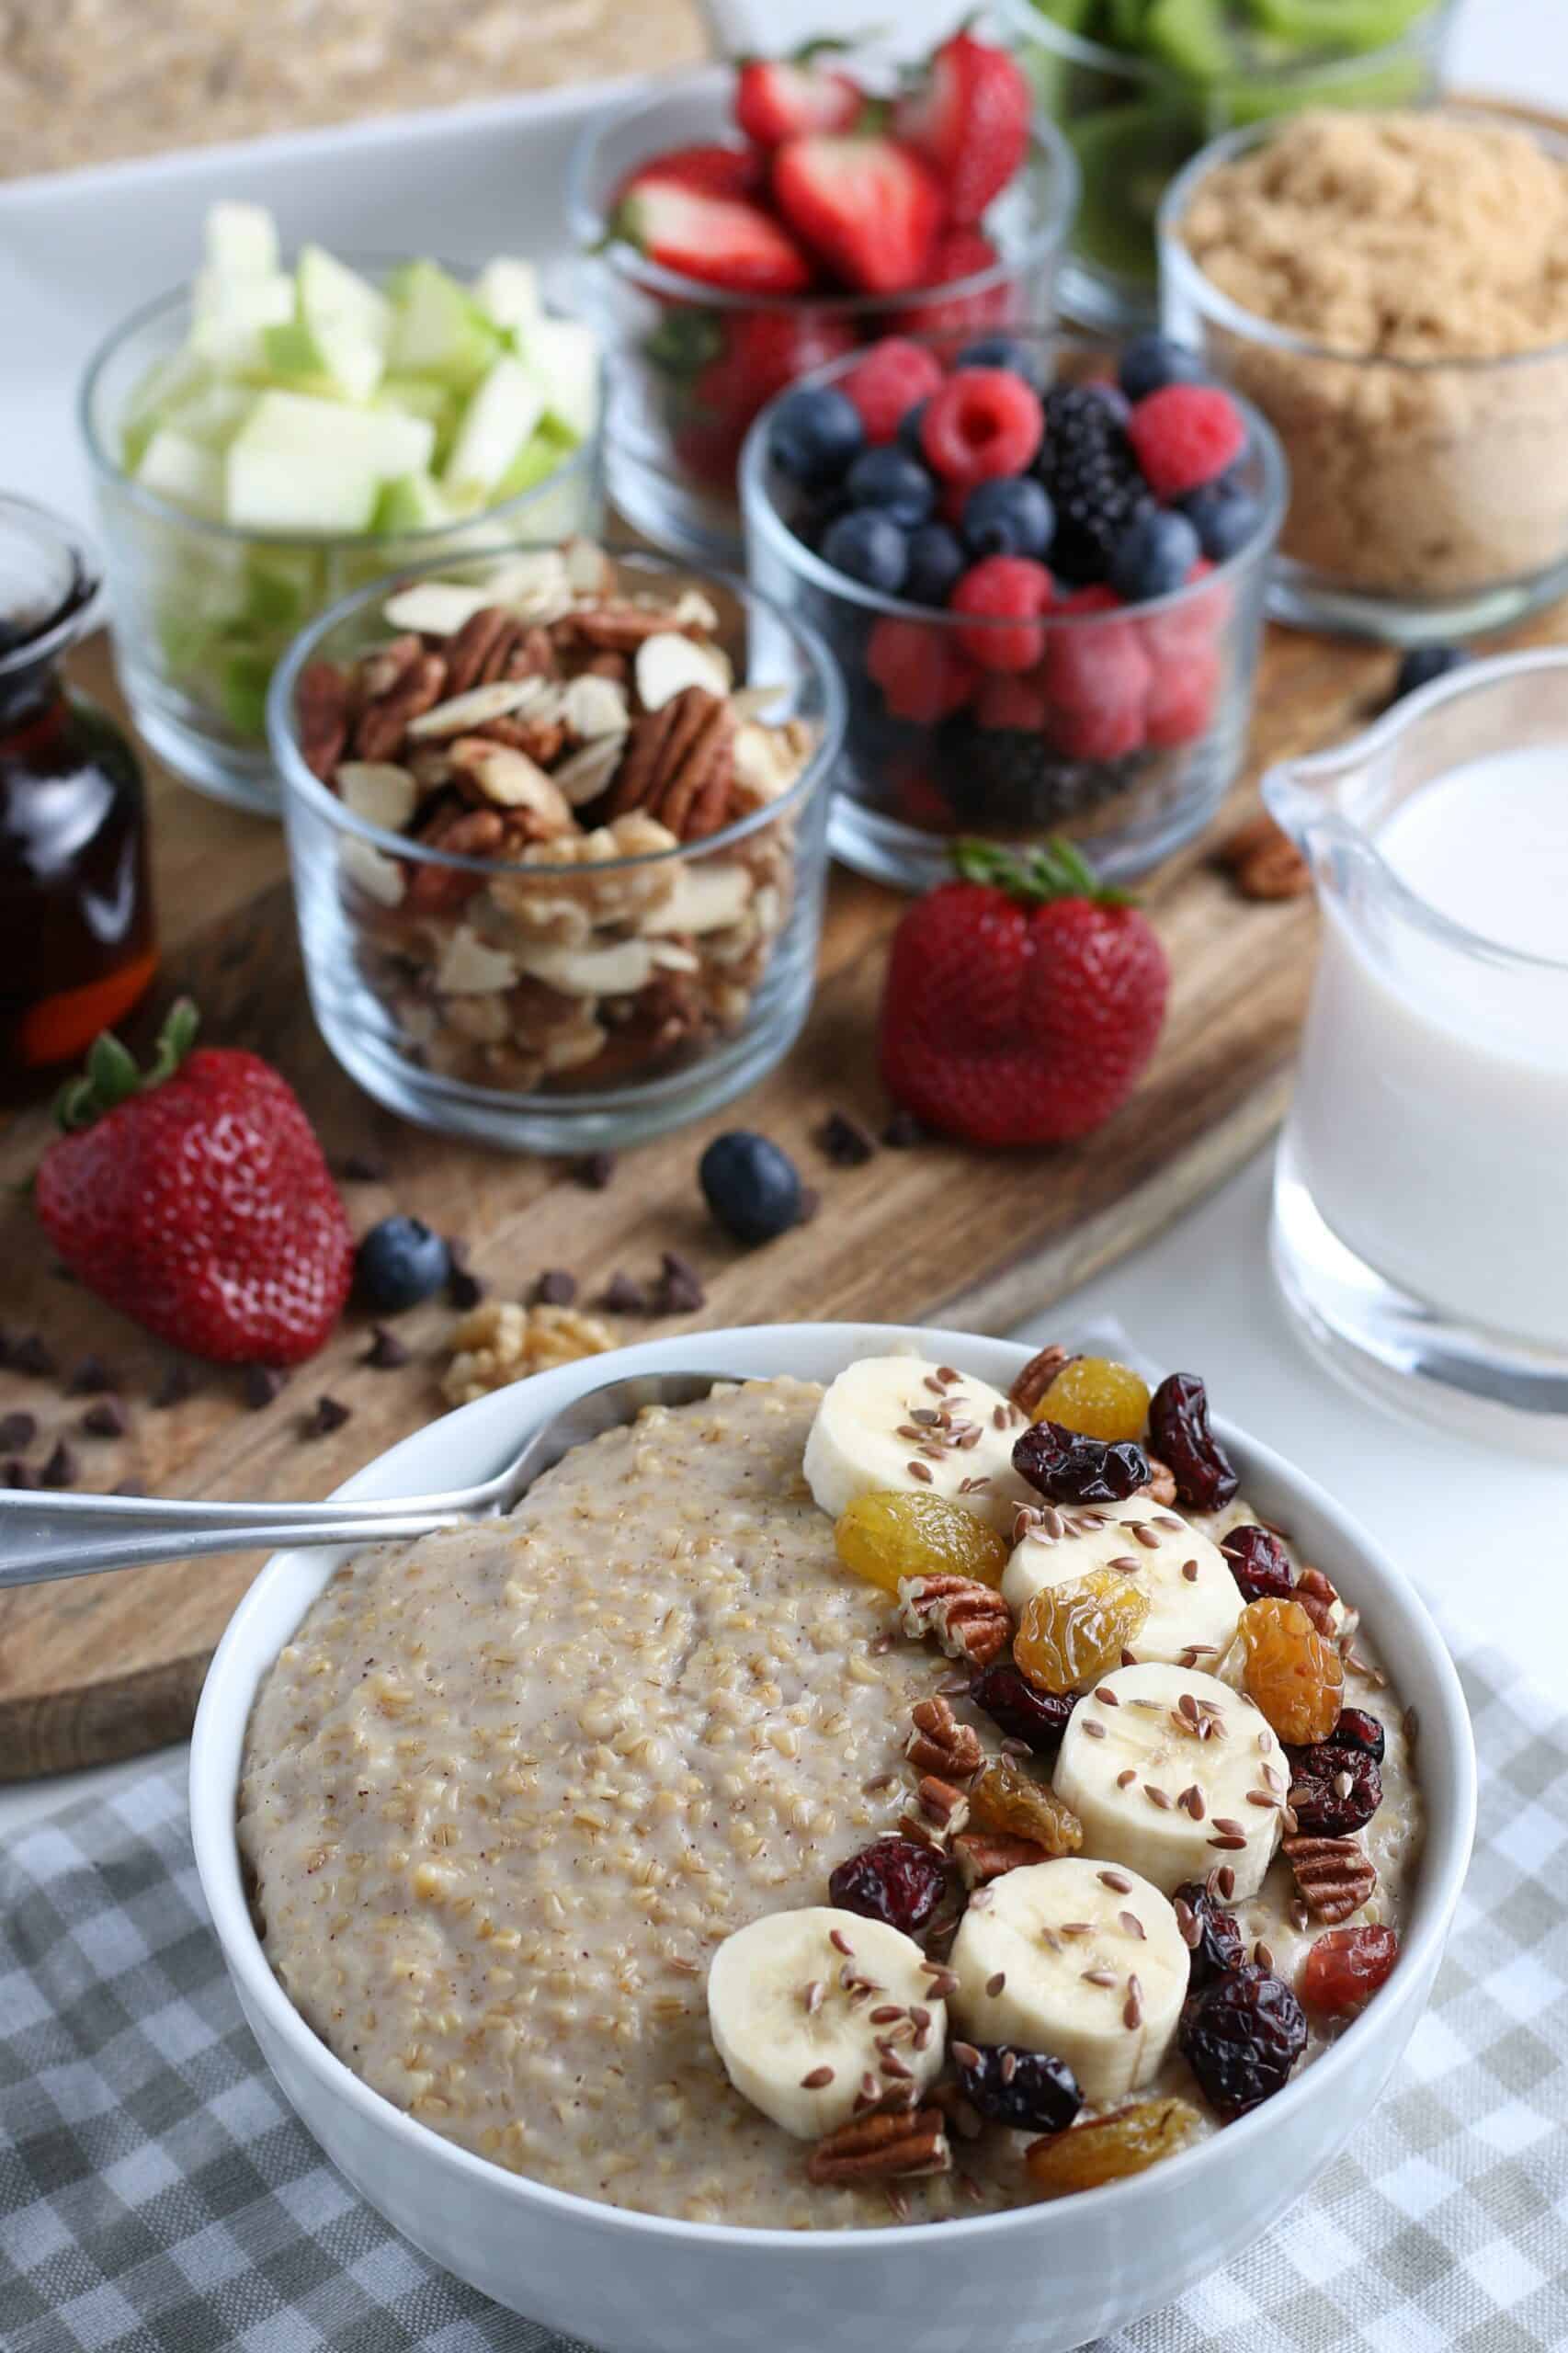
442	889
384	723
1162	1486
541	738
321	708
532	656
484	634
900	2144
381	671
939	1744
943	1804
616	629
1264	862
984	1855
1335	1876
1317	1598
679	765
970	1619
1038	1375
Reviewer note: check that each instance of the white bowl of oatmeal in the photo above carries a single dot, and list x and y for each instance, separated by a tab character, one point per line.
494	2018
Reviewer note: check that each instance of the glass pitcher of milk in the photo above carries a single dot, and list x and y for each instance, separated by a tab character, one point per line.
1420	1231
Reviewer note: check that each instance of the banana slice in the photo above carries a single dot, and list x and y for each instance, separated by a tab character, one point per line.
817	2012
1081	1959
1193	1602
900	1422
1171	1772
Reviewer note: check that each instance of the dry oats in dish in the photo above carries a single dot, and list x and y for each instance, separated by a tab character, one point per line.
643	1845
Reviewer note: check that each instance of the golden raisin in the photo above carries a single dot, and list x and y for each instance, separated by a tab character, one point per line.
1007	1798
1098	1398
1074	1631
886	1537
1108	2148
1291	1671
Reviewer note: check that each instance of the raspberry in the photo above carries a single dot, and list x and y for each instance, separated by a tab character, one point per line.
1098	678
983	422
1000	589
1006	700
891	379
920	670
1181	699
1184	435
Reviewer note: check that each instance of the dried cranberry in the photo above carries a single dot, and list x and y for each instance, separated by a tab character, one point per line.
1241	2036
892	1879
1332	1790
1028	2089
1357	1729
1345	1969
1068	1467
1214	1942
1258	1563
1016	1707
1179	1434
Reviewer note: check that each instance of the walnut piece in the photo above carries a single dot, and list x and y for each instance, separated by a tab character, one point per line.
499	1342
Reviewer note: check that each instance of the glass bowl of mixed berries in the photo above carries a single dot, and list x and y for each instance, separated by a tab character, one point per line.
748	224
1041	568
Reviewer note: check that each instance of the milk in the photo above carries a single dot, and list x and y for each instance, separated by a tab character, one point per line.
1430	1124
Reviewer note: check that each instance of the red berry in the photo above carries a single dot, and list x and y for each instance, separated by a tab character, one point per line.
868	208
1097	679
1259	1562
959	253
712	169
1184	435
1097	598
779	98
760	353
719	240
972	121
983	422
1181	699
922	673
893	376
1345	1969
1008	699
893	1880
999	589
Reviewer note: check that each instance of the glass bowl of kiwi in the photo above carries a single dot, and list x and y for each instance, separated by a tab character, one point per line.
1138	87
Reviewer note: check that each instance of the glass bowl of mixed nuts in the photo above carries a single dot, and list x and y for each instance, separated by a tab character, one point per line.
557	819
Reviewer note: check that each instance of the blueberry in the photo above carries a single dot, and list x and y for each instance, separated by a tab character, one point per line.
1008	516
892	482
1224	515
936	559
1152	360
816	435
870	547
398	1263
752	1187
909	424
1007	351
1152	556
1423	663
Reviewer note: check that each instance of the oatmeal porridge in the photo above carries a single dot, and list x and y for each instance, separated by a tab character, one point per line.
809	1807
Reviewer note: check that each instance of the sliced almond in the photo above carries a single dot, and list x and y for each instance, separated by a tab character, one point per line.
529	584
707	897
692	610
667	664
670	957
750	702
766	762
511	780
616	969
467	968
592	706
586	774
380	878
589	571
461	712
436	608
380	791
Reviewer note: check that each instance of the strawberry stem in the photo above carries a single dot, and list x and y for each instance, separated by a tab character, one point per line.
1053	870
111	1075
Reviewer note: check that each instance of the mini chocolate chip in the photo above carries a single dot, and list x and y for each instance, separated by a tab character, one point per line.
596	1171
106	1419
386	1351
903	1131
624	1296
89	1378
20	1474
810	1201
61	1470
66	1274
845	1141
463	1286
263	1383
17	1430
679	1291
555	1288
32	1354
357	1170
329	1415
176	1385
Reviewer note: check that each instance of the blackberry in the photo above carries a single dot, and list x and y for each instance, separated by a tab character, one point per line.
1087	467
1009	776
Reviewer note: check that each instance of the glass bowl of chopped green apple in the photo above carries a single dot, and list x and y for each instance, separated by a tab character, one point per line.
275	435
1138	87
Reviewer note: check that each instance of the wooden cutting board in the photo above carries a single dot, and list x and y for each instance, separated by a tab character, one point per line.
103	1667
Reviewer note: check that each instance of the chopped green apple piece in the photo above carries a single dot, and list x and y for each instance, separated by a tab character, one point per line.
244	680
381	442
242	239
230	315
536	461
563	355
271	488
213	416
438	329
412	502
182	471
499	418
283	586
508	292
417	396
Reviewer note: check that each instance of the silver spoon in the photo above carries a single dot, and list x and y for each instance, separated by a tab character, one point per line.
44	1537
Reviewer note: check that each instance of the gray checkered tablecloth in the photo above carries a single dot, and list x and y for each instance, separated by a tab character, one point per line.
157	2196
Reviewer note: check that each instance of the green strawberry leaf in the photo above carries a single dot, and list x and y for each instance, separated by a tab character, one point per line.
111	1076
1053	870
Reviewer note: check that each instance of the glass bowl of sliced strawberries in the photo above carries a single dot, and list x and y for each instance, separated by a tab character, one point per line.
1040	565
750	223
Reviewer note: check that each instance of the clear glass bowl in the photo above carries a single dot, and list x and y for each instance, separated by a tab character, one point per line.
553	1066
691	365
1430	496
1132	124
203	611
1021	769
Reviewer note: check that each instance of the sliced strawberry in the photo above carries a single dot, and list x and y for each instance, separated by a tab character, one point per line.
870	208
721	240
972	121
957	252
789	97
711	169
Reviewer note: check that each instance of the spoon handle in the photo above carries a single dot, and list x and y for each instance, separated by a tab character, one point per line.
45	1539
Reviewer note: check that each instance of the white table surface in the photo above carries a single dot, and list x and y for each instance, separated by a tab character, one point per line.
1485	1534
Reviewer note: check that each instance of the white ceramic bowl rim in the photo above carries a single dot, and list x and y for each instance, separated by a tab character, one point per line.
235	1672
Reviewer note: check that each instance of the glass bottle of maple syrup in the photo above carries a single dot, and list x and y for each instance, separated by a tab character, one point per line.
76	938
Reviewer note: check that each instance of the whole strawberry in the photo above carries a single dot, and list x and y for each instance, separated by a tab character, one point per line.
197	1201
1022	1001
971	119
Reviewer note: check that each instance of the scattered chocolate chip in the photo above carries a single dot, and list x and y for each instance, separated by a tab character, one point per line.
624	1296
386	1351
176	1385
21	1474
357	1170
463	1286
679	1290
66	1274
17	1430
263	1383
845	1141
32	1354
329	1415
596	1171
106	1419
129	1487
903	1131
89	1378
810	1201
61	1470
555	1288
